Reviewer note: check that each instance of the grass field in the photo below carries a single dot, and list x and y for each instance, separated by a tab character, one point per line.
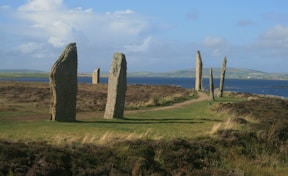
186	122
230	136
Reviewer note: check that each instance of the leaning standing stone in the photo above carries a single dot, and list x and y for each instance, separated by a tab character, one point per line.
63	85
117	84
222	77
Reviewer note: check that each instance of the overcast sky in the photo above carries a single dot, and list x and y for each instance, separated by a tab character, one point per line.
155	35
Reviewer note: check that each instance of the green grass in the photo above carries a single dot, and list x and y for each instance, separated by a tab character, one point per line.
13	113
24	75
190	121
187	122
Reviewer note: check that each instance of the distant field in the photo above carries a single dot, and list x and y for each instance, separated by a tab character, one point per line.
24	75
231	73
32	75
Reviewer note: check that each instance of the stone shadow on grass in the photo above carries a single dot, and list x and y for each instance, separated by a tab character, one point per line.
125	120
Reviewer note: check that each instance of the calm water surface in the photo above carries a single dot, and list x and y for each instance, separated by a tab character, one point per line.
266	87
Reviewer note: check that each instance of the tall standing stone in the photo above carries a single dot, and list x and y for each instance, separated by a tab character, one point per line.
211	83
222	77
117	84
96	76
198	72
63	85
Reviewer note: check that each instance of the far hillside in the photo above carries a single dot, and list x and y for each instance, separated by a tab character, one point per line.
28	71
231	73
19	73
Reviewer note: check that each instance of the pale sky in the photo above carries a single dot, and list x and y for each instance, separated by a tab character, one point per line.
155	35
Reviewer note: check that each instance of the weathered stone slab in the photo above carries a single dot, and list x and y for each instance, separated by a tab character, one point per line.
117	85
211	85
198	72
96	76
63	85
222	77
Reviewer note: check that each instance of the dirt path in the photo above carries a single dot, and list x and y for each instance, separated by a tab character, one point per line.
99	114
201	97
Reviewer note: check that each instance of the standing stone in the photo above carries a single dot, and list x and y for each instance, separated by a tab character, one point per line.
96	76
211	83
198	72
117	84
222	77
63	85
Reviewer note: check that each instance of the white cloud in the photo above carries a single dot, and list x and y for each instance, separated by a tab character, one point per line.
272	44
47	26
277	32
139	47
216	46
29	47
61	34
276	37
121	12
59	25
213	41
5	7
48	18
40	5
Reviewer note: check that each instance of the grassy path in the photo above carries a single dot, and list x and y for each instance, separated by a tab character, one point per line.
99	114
201	97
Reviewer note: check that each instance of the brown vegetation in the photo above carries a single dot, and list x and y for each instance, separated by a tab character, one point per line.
35	97
253	141
262	133
177	157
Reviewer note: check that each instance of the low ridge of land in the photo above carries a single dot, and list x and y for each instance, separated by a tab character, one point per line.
231	73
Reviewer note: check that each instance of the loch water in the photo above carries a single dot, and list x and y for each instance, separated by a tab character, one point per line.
254	86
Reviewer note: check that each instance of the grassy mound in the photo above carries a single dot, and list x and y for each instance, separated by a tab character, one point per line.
255	137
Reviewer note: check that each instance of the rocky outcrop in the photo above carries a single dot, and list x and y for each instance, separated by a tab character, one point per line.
117	85
96	76
198	72
222	77
63	85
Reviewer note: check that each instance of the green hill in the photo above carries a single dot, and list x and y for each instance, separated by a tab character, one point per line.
28	71
231	73
18	73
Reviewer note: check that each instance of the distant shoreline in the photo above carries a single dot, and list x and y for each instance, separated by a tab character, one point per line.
46	75
257	86
231	73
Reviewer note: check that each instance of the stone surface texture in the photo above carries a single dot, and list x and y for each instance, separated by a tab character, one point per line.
211	83
117	85
198	72
96	76
222	77
63	85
